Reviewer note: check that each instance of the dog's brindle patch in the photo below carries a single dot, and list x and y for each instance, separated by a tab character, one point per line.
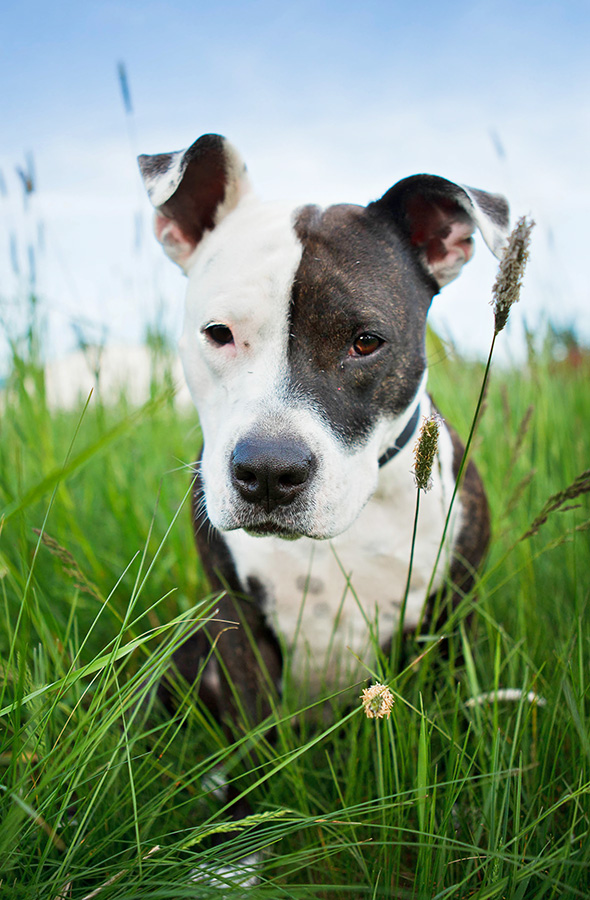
354	278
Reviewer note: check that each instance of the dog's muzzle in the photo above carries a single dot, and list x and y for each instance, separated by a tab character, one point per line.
270	473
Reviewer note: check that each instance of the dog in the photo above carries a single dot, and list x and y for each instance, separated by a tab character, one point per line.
304	351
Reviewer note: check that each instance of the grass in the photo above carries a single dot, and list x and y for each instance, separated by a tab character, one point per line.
444	799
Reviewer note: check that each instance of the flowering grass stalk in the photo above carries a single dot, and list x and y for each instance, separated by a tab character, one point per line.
506	289
505	293
377	701
424	456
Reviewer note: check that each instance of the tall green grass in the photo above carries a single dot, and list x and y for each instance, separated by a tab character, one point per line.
99	582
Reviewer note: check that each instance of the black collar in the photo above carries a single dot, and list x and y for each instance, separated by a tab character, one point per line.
402	440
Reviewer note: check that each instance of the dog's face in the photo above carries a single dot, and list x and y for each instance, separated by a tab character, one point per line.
303	343
296	350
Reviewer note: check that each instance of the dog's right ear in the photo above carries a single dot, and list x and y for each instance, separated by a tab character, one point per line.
192	190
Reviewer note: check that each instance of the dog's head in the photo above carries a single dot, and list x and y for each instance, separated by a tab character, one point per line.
303	342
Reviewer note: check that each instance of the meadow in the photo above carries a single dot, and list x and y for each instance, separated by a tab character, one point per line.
453	796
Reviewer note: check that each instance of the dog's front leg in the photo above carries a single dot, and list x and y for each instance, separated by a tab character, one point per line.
247	652
235	666
247	659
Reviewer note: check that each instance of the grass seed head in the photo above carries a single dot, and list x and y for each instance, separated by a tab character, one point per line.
377	701
506	289
425	451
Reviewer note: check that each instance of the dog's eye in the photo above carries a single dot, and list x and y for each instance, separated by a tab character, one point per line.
365	344
219	334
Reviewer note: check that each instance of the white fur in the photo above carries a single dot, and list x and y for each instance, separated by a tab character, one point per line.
237	183
495	236
242	873
323	593
510	695
161	187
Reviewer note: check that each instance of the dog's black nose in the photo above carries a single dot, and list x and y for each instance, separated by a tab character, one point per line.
270	473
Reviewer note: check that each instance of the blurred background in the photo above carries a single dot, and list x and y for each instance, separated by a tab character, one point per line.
327	101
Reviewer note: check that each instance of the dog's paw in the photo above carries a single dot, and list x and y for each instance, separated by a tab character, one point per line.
242	873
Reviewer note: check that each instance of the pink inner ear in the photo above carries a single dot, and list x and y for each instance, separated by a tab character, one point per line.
443	231
175	242
164	224
457	243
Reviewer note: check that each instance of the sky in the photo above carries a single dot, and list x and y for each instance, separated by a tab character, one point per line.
326	101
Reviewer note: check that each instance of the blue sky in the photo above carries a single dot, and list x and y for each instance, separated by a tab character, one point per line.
327	101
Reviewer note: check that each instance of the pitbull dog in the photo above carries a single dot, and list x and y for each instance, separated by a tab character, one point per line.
304	350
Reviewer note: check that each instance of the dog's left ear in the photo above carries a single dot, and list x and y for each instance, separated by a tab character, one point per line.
439	218
192	190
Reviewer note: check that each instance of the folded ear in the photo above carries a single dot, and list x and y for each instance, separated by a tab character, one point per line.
439	218
192	190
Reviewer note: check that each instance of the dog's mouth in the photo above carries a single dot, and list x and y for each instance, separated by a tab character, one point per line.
299	519
270	529
289	527
277	524
271	526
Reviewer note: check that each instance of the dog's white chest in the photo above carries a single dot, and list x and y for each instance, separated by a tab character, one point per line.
325	598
